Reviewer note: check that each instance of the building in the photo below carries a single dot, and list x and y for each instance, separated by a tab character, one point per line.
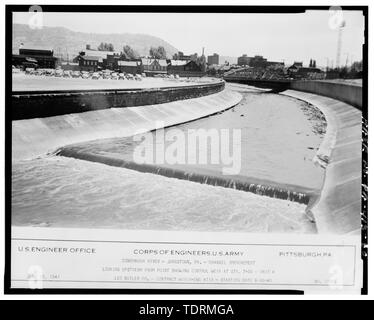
292	70
295	67
176	66
111	61
257	62
132	67
297	64
153	66
309	73
35	57
192	66
213	59
185	68
297	71
88	63
244	60
106	59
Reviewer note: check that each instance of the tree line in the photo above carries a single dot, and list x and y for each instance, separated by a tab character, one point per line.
129	53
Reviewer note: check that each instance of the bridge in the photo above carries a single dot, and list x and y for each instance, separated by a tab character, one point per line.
275	85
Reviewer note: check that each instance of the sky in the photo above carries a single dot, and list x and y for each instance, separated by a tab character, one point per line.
278	37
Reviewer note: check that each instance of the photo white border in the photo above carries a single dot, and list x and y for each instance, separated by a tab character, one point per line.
182	297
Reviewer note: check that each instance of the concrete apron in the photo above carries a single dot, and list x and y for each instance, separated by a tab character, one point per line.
36	137
338	209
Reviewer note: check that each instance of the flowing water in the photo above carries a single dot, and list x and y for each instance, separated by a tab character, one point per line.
279	138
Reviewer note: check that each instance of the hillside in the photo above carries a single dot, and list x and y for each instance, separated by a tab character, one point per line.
66	42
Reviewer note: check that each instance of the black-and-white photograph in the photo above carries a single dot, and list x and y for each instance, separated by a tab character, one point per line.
128	122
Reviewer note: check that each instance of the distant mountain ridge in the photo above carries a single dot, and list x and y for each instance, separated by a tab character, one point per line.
67	43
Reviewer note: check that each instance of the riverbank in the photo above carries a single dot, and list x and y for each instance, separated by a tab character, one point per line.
338	209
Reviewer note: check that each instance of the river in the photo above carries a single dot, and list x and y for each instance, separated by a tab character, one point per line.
279	138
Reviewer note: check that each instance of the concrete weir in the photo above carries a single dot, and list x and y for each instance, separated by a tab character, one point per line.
257	186
40	135
338	209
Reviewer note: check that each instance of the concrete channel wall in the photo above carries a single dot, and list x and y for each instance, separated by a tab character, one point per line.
351	94
338	209
40	135
39	104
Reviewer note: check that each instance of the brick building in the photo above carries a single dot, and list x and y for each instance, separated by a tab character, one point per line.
213	59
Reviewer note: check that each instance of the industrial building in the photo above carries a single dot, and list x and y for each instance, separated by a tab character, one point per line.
35	58
244	60
213	59
257	61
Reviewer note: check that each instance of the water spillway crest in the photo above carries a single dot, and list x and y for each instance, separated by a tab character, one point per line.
239	183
